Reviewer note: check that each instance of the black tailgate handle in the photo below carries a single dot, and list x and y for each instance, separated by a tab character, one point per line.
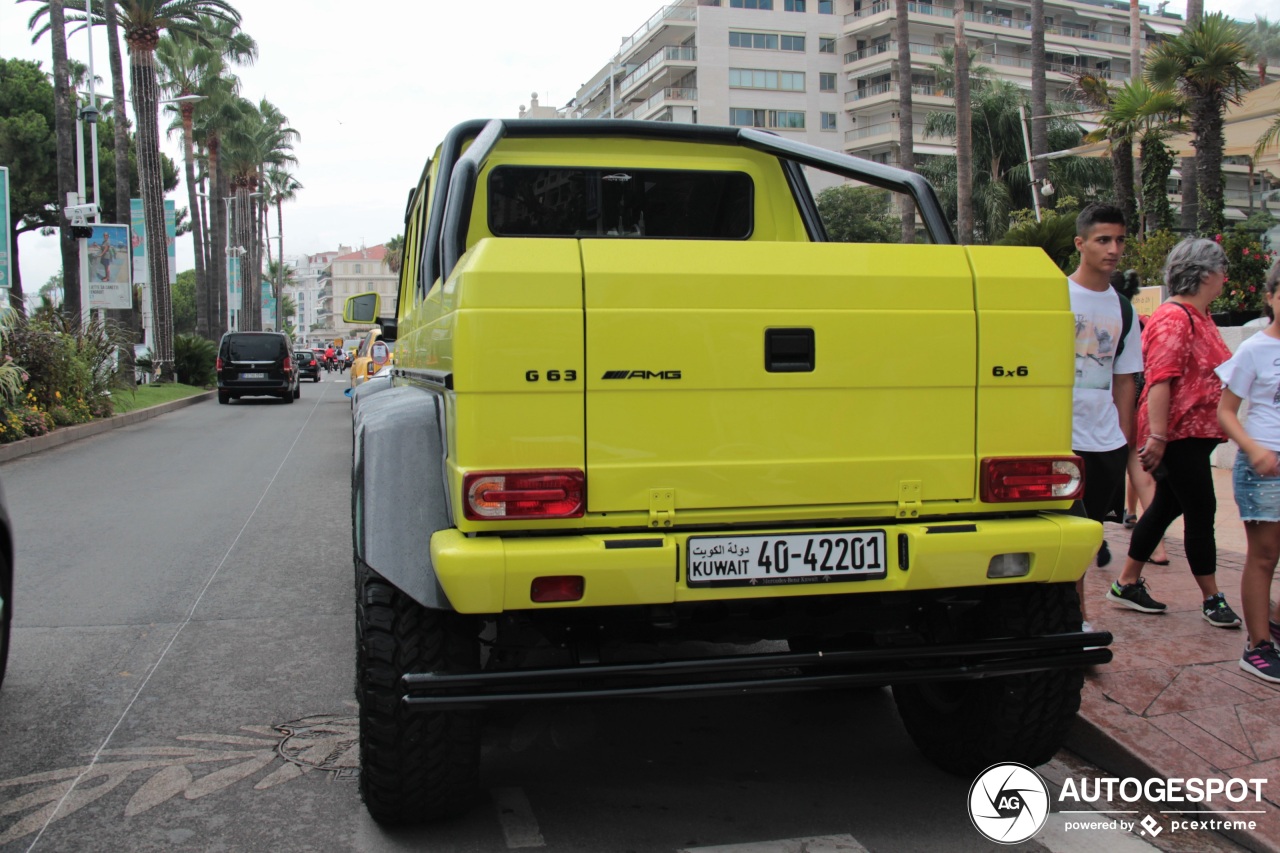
788	350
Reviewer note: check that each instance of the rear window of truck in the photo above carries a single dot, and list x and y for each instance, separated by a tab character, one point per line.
533	201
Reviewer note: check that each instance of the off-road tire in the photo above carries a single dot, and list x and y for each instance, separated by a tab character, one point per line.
966	726
287	396
414	766
297	392
224	397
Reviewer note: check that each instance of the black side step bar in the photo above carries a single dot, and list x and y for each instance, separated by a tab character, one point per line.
757	673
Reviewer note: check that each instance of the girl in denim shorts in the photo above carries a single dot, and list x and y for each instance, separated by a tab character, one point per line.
1253	374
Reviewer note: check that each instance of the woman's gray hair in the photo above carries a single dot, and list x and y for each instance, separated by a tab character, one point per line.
1189	262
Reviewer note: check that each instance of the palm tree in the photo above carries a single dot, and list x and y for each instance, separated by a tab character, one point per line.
187	66
261	139
65	129
1190	184
121	114
1002	181
1205	65
906	118
281	186
1118	131
1263	38
394	257
1152	117
222	109
1135	40
143	22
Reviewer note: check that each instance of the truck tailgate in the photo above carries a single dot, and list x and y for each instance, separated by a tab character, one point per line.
701	378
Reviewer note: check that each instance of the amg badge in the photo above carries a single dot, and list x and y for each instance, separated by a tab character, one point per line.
641	374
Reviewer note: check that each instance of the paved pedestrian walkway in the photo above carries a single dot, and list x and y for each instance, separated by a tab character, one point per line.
1174	702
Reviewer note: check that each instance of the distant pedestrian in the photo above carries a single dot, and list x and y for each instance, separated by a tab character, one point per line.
1178	428
1108	354
1253	374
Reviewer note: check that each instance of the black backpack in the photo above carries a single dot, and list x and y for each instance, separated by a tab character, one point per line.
1126	322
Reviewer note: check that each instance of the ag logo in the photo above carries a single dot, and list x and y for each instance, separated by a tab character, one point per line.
1008	803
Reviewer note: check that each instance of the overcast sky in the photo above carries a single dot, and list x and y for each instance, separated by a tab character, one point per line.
372	87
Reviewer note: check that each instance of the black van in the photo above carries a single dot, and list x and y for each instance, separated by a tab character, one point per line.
256	364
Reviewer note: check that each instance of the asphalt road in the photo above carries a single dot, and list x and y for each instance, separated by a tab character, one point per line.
181	679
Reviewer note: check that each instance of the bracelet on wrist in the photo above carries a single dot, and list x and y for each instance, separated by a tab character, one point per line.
1159	438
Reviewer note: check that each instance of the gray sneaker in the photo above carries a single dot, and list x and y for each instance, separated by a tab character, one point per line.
1218	614
1135	595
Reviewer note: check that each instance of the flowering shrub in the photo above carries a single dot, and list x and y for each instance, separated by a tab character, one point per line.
1247	265
101	407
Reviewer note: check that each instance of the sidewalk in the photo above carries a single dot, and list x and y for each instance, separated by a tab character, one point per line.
1174	701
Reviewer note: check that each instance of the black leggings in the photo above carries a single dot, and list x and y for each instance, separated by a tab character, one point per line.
1184	486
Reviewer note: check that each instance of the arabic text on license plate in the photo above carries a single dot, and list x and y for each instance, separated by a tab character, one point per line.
841	555
253	376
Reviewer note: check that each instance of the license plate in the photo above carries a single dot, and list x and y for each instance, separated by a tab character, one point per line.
253	376
841	555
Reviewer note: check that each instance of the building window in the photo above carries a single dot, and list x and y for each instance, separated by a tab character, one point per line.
789	119
828	121
793	5
751	4
793	43
826	44
357	269
826	7
827	82
757	78
756	41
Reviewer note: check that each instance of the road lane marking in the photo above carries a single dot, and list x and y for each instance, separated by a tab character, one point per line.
177	633
816	844
516	816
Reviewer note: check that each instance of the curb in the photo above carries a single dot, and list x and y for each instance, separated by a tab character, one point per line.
1095	744
66	435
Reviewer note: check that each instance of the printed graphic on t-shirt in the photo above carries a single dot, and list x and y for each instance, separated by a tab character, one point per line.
1096	338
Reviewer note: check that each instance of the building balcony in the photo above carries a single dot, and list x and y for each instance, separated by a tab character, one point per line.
889	48
925	9
667	56
665	17
865	97
1087	35
671	96
885	133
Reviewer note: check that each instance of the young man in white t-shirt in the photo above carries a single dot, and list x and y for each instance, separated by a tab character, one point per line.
1104	396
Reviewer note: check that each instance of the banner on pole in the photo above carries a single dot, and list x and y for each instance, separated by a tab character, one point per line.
141	273
6	259
171	238
110	285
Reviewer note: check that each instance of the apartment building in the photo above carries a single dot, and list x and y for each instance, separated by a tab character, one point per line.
311	292
825	71
351	273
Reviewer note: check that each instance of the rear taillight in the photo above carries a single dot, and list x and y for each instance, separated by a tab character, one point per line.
217	364
288	364
311	363
524	494
1020	478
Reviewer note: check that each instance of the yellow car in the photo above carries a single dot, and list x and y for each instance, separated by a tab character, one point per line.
372	354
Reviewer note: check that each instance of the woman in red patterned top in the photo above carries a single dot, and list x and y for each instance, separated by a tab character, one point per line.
1178	427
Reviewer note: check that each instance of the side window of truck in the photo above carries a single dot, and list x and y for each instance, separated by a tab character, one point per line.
860	214
533	201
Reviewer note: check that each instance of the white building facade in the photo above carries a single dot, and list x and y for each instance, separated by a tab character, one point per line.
826	71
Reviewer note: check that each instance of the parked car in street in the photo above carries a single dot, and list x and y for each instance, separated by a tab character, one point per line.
371	356
6	584
308	364
256	364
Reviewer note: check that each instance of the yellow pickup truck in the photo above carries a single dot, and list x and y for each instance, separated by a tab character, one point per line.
640	401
